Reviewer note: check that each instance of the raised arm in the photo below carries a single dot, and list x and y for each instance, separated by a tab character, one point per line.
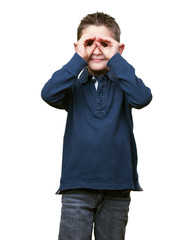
57	91
138	95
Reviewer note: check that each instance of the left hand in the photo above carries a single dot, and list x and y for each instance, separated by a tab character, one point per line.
109	46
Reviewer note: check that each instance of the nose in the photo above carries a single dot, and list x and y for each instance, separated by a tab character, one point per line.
96	51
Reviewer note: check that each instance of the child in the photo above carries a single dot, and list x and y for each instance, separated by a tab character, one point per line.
98	88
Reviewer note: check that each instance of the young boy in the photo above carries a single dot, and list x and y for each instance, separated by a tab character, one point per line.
98	88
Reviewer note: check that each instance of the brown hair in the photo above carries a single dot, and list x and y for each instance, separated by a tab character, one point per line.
100	19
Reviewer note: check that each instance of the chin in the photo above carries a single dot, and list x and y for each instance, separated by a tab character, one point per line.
97	70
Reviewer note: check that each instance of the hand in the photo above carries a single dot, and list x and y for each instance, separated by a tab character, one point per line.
109	46
85	46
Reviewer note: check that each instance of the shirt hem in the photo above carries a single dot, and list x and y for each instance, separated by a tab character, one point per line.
99	187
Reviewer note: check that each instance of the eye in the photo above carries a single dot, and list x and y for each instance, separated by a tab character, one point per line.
104	44
90	43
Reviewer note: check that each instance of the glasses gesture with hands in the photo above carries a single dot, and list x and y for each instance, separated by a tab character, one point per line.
89	45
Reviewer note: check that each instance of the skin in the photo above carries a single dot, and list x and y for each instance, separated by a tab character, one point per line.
96	46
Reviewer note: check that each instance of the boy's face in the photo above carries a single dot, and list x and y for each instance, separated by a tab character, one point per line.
97	63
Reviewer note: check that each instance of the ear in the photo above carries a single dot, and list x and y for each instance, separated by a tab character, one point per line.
121	47
75	46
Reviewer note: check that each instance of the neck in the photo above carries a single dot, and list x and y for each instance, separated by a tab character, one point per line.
98	73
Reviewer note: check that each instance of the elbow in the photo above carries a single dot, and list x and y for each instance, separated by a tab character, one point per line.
143	100
52	100
146	101
44	95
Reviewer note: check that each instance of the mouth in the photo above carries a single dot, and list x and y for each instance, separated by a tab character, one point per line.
97	59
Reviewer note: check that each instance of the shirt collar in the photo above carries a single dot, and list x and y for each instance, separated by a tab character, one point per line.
111	76
84	76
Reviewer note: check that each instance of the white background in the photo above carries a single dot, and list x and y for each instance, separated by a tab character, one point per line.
37	39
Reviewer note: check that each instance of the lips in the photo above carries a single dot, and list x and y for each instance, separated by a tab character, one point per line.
97	59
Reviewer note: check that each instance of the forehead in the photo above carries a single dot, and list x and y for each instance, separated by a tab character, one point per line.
97	31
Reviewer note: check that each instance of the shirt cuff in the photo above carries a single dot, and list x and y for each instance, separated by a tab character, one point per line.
76	64
117	64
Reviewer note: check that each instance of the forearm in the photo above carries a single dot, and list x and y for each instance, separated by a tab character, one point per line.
57	90
137	93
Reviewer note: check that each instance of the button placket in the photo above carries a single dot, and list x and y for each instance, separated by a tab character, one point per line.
100	97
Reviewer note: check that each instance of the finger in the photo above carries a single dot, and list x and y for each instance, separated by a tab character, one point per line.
105	39
88	37
92	47
101	48
94	44
90	42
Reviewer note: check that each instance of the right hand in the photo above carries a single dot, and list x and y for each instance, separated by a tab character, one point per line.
85	46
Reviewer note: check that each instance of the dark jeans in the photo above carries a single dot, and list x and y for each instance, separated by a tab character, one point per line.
107	209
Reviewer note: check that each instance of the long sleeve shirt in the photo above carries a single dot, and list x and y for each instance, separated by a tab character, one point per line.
99	149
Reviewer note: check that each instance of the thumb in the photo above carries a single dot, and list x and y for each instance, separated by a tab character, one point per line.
100	46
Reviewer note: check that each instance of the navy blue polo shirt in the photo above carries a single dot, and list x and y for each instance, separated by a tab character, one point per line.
99	149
